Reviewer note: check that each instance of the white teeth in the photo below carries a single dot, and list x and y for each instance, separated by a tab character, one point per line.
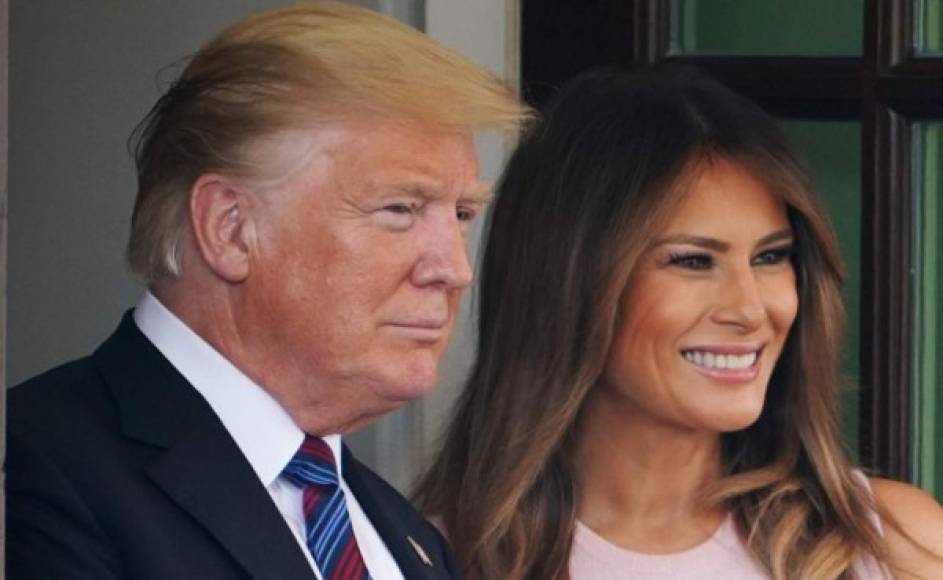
720	361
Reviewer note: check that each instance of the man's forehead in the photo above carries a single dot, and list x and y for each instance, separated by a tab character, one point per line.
395	157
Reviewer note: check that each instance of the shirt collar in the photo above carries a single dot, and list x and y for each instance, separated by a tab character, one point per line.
261	428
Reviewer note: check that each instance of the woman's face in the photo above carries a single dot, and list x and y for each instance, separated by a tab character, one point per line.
708	308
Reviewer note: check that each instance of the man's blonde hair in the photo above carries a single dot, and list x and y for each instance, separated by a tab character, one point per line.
291	68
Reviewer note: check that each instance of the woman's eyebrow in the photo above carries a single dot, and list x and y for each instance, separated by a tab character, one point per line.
702	241
719	245
782	235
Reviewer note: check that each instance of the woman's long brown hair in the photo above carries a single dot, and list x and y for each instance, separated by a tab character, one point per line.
579	201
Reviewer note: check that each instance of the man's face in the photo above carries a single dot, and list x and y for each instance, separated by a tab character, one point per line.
360	258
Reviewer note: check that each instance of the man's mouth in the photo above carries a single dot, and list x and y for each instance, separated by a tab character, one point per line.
430	331
431	324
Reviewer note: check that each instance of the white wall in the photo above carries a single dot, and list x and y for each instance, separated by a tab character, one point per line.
83	73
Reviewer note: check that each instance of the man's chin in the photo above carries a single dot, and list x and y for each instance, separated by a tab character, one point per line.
359	423
409	391
382	408
416	375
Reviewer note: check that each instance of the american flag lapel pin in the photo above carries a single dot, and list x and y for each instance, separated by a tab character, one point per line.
419	551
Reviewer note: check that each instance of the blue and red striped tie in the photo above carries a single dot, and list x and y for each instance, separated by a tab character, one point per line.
328	533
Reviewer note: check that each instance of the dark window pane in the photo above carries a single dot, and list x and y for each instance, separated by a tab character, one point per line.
832	151
768	27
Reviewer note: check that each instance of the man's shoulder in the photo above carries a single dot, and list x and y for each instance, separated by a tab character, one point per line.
65	415
67	386
66	395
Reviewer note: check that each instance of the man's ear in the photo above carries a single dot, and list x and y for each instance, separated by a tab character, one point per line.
221	222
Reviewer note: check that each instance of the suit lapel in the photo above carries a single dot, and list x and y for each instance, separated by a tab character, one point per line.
202	469
394	533
227	498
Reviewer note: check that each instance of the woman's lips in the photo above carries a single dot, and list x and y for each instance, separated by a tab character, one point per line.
727	363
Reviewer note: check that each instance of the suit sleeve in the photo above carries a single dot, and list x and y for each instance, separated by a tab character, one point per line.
50	532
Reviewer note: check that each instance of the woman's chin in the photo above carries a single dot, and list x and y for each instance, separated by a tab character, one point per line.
735	420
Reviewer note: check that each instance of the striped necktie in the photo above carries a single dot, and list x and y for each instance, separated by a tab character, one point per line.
328	532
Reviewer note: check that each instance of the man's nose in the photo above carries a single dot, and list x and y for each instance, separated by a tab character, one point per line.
443	258
740	300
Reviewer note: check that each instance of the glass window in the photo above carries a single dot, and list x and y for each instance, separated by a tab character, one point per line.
832	151
767	27
928	27
928	399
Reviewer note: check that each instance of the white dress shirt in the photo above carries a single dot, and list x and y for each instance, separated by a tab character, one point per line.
260	427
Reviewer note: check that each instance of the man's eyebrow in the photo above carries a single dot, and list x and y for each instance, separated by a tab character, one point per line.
482	193
720	246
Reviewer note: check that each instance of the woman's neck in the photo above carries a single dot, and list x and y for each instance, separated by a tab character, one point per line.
641	481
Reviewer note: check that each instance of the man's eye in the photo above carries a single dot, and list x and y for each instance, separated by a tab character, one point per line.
400	208
465	214
691	261
398	216
774	256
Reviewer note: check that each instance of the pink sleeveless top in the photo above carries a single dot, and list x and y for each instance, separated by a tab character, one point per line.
723	556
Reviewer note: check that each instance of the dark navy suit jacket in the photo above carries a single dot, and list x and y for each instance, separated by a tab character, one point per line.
118	469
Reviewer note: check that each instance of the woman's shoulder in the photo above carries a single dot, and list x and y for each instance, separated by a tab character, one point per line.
913	508
914	527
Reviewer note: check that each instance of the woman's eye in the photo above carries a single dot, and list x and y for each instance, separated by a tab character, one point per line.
774	256
691	261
